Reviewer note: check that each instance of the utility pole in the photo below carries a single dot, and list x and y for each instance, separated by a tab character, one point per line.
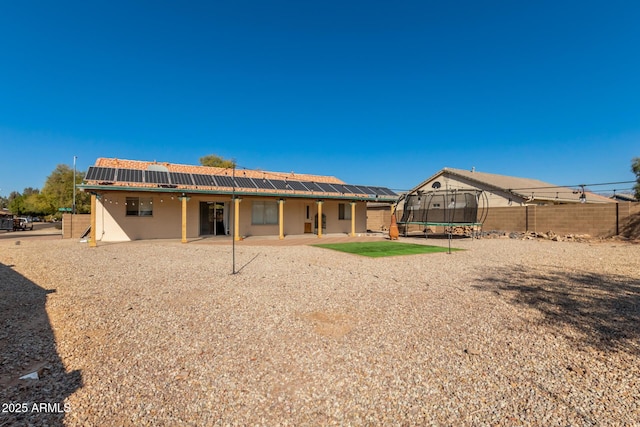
73	207
235	206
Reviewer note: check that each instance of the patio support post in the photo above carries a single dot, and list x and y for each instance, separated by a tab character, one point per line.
353	219
184	201
319	219
236	218
281	217
92	238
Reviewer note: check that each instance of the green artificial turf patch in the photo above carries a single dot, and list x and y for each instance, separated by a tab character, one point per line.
383	248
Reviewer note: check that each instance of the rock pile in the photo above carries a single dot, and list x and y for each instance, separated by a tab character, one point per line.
532	235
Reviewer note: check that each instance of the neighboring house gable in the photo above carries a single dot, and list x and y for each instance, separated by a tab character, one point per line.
503	190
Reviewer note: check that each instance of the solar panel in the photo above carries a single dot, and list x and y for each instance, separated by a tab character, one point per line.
129	175
312	186
366	190
224	181
296	185
203	180
387	192
156	177
327	188
244	182
353	189
278	184
100	174
380	191
340	188
265	184
180	178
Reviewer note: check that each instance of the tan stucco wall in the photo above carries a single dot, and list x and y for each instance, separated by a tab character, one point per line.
495	199
112	223
295	217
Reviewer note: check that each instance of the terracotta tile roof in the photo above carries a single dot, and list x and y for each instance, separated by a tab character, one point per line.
207	170
120	164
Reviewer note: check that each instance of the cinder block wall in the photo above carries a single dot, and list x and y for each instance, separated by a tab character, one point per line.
598	220
378	218
505	219
80	223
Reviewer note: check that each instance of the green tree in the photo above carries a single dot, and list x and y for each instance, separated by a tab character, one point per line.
35	204
30	191
635	167
217	161
16	203
31	202
4	202
58	191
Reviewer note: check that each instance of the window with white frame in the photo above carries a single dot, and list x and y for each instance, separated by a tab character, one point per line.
344	211
264	212
139	206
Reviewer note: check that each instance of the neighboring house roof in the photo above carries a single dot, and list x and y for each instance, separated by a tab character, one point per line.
118	174
624	197
525	188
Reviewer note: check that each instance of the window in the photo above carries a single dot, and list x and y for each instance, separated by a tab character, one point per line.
139	206
344	211
264	212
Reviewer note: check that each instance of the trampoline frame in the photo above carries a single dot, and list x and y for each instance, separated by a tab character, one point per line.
451	214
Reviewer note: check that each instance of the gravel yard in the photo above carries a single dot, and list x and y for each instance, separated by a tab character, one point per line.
507	332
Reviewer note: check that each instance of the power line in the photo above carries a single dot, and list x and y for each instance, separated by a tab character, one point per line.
569	186
280	175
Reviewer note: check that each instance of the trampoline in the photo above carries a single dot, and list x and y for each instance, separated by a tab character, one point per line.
457	212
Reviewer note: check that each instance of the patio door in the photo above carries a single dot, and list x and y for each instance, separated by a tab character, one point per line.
212	219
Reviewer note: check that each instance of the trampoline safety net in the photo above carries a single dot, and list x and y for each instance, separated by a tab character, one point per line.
440	207
456	210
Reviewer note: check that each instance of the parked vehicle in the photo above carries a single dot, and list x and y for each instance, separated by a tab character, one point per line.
22	224
6	223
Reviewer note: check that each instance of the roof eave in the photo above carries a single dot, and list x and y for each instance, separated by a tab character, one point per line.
96	188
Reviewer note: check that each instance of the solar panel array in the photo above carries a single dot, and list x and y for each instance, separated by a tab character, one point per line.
162	178
101	174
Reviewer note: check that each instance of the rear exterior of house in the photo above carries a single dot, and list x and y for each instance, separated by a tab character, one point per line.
134	200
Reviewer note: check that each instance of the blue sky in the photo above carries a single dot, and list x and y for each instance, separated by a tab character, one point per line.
373	92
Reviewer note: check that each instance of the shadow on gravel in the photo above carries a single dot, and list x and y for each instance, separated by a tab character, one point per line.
27	345
604	309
